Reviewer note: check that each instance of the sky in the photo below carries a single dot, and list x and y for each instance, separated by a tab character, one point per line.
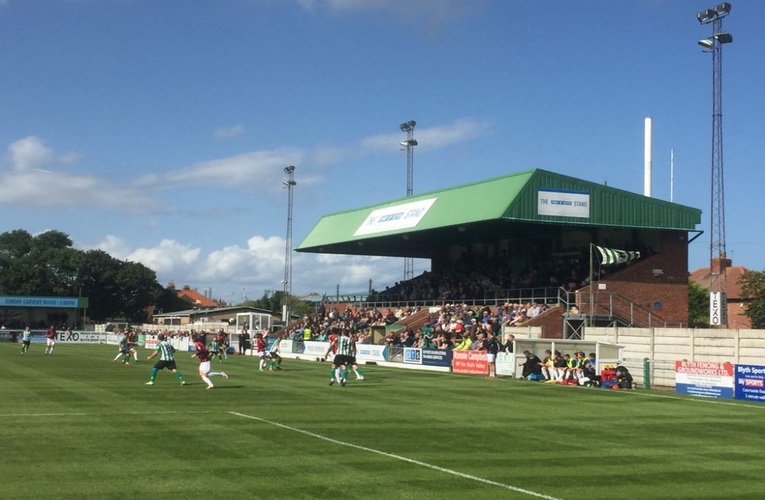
158	131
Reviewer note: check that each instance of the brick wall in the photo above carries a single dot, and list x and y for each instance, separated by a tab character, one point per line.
657	283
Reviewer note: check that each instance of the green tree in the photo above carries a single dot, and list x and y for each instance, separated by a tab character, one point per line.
166	300
698	305
753	292
136	290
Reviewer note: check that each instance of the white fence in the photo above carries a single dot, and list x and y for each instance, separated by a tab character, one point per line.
663	346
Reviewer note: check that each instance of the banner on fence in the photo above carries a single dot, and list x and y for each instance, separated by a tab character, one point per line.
704	378
750	382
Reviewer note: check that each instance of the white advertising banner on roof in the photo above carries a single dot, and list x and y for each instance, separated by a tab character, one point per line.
565	203
403	216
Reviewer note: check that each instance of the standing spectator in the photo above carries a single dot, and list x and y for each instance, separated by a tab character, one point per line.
244	339
509	344
166	354
50	340
492	348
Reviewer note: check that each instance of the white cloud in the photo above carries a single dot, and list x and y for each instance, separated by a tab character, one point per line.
166	259
428	139
31	153
33	175
241	171
257	267
227	132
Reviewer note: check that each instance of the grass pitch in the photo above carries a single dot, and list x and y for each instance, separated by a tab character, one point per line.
79	426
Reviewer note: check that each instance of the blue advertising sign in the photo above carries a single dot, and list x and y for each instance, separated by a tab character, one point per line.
412	355
437	357
60	302
750	382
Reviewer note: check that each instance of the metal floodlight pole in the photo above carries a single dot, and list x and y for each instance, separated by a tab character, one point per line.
409	145
290	185
713	44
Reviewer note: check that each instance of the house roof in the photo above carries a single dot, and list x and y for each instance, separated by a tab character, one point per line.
730	281
407	227
195	297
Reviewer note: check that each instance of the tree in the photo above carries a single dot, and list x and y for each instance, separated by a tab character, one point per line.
698	305
753	292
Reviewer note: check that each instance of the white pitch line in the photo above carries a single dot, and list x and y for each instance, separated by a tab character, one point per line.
399	457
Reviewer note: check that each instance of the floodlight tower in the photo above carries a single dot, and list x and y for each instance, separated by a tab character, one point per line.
290	185
717	254
409	145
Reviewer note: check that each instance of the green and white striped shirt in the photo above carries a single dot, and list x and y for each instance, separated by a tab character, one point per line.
345	346
166	351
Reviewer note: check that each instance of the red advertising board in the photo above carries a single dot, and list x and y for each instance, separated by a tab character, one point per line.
470	362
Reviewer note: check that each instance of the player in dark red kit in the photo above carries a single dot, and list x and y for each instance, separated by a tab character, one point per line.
201	352
50	339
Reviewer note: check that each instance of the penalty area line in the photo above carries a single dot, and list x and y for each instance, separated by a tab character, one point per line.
399	457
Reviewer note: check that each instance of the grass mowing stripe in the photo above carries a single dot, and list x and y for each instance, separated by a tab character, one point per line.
697	399
398	457
103	414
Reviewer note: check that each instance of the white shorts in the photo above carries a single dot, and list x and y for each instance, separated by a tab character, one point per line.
490	357
262	354
204	367
50	342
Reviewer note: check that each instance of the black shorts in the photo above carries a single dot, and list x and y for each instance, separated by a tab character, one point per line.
351	360
341	359
25	342
170	365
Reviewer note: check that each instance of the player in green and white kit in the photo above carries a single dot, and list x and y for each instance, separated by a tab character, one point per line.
166	354
26	338
345	350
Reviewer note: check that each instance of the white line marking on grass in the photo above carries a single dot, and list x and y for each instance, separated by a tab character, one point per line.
711	401
398	457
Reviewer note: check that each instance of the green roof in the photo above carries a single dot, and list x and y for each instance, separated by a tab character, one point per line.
532	196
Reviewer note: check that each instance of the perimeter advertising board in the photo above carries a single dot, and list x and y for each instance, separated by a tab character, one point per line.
750	382
704	378
471	362
428	357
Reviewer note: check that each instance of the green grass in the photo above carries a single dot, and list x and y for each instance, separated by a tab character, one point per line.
79	426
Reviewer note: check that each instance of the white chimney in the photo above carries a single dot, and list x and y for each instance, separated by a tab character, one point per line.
647	154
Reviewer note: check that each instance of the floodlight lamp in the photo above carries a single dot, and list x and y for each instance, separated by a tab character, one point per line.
723	9
406	127
289	170
724	37
707	43
706	16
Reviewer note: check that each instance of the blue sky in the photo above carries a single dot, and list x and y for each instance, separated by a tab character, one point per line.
158	131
